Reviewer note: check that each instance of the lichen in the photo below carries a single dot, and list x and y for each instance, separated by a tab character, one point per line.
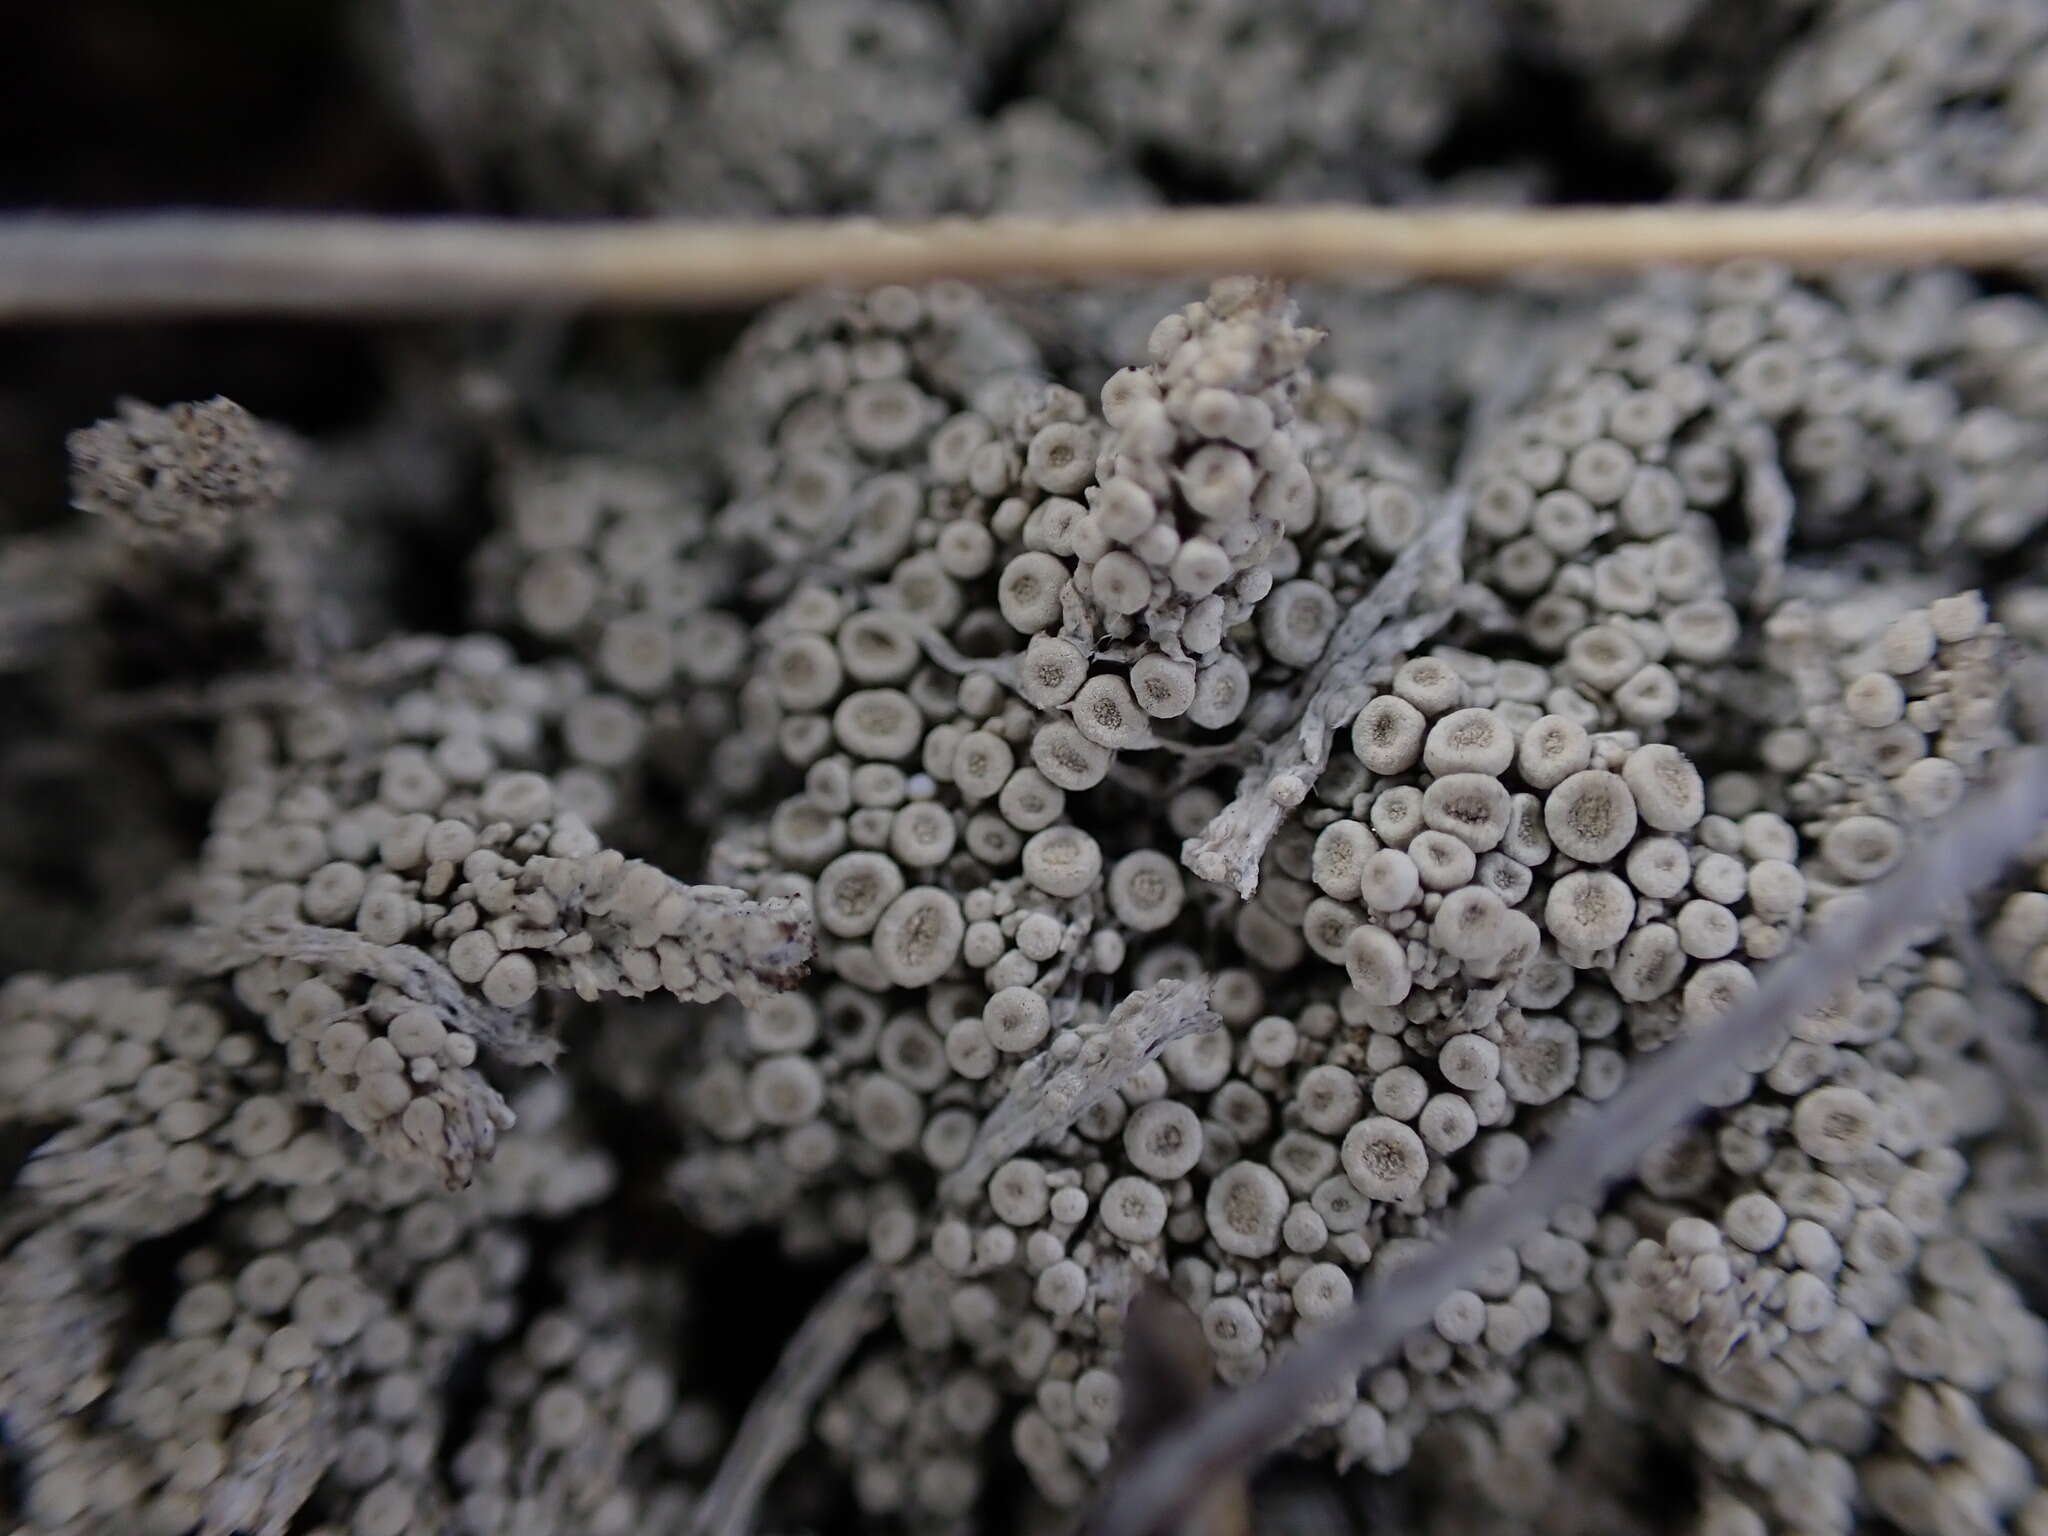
1027	801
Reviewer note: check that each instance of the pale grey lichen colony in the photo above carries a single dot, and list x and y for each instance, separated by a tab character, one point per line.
1036	805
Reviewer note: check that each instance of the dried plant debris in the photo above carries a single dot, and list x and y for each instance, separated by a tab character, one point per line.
1165	1380
185	476
1115	823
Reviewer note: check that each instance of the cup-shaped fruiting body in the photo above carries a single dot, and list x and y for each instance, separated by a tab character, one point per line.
917	937
1133	1210
1551	750
1296	622
1163	1139
1588	910
1107	713
1384	1159
1146	890
1377	965
1067	758
1244	1208
1472	741
1388	734
1475	808
1591	816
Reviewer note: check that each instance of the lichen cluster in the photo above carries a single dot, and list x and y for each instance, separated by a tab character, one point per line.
1018	800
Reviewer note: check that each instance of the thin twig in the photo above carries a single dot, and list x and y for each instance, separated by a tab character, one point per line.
1052	1090
214	950
1381	627
1957	858
102	267
780	1415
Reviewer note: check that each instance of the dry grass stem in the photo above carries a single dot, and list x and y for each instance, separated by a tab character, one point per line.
780	1415
110	267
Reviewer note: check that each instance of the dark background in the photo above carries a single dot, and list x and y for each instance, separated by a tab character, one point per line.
131	104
